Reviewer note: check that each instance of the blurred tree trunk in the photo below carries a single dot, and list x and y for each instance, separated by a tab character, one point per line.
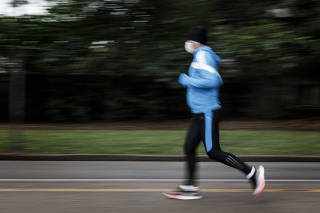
16	104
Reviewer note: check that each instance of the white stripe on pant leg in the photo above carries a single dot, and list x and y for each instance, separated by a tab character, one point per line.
235	162
231	162
228	160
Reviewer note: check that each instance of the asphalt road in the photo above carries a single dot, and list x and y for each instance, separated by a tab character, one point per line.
28	186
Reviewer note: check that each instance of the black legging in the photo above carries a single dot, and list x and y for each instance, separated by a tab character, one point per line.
195	134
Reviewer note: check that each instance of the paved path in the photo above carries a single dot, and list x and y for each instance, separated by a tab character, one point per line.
136	187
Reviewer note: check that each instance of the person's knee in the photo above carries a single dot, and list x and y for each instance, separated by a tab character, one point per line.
215	155
212	155
189	150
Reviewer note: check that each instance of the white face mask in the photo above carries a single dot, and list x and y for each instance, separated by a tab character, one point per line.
188	46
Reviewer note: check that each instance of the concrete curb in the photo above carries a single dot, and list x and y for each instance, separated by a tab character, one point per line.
111	157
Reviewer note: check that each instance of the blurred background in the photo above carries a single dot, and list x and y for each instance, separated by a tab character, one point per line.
109	61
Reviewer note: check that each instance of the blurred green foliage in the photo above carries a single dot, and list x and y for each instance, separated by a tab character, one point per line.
126	56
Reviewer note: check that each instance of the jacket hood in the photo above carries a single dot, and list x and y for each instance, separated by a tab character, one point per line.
207	48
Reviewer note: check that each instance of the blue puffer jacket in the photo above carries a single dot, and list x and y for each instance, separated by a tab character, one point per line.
203	81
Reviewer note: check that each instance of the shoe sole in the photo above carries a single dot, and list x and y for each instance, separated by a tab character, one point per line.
181	197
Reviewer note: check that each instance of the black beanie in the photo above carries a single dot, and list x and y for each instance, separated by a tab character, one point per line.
198	34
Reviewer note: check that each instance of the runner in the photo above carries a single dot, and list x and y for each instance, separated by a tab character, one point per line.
202	85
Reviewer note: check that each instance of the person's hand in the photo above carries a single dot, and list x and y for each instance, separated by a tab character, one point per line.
183	78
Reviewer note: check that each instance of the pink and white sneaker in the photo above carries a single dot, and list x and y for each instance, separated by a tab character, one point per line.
259	180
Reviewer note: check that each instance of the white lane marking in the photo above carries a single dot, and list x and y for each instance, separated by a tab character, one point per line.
150	180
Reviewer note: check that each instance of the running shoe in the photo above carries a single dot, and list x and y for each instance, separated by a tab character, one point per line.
188	188
183	195
259	181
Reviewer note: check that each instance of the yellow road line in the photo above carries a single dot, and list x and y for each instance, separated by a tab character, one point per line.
82	190
141	190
